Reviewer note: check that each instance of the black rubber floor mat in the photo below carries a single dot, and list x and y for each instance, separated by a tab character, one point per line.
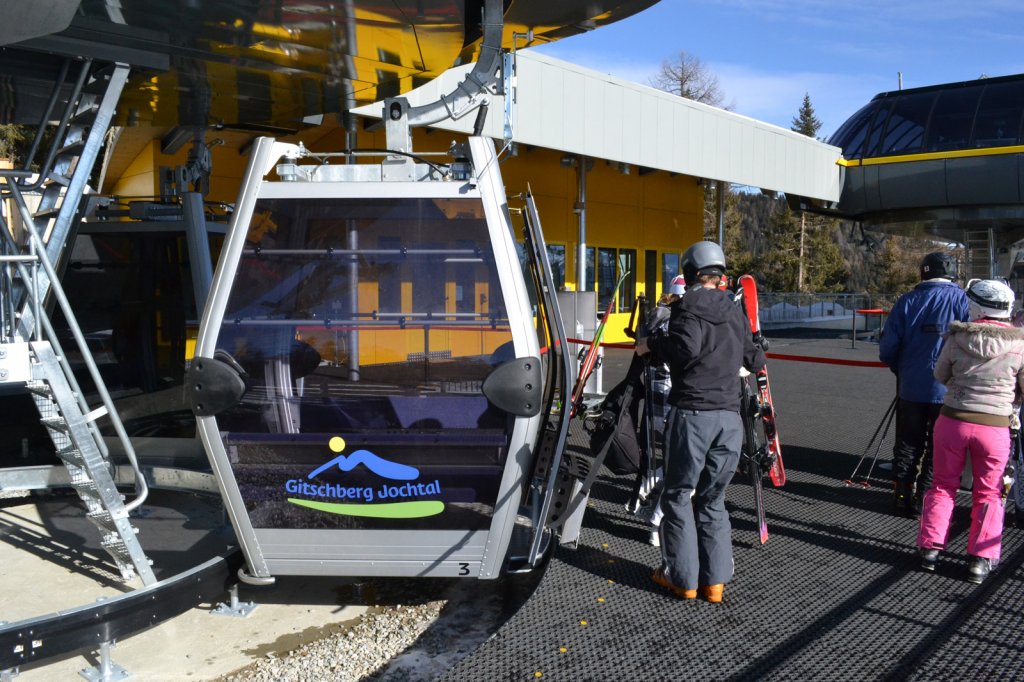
835	594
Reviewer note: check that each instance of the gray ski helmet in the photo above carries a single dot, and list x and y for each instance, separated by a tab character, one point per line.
938	264
989	298
703	258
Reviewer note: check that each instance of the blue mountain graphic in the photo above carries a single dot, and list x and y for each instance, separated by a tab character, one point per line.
378	465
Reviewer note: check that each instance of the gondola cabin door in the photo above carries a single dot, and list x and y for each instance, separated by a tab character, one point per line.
367	379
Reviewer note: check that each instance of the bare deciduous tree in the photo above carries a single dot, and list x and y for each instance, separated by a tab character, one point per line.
687	76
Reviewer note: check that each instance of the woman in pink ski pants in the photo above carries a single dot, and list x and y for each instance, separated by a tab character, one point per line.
982	365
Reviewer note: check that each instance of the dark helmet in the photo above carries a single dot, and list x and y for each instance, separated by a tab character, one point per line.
938	264
703	258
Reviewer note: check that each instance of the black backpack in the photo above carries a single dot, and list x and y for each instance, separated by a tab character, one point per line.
613	435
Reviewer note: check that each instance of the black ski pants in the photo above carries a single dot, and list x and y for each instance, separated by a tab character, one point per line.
912	453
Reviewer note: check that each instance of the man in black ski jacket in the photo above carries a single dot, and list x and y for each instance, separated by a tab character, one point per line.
707	341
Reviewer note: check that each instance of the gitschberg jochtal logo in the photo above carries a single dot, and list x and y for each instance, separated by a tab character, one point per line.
365	500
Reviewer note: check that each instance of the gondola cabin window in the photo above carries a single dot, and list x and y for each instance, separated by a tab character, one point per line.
371	320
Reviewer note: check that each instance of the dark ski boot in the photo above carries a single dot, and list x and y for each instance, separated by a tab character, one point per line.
978	569
903	500
916	505
929	559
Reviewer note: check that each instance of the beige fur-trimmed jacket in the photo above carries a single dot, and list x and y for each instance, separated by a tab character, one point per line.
982	365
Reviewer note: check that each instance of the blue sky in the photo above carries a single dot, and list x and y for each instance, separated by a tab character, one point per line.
767	53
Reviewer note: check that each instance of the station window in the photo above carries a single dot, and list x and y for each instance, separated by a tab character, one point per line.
850	136
999	115
606	277
588	276
556	258
669	269
627	293
524	265
877	125
950	126
904	133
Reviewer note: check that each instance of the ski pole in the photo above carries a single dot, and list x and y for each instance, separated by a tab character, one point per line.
878	447
883	427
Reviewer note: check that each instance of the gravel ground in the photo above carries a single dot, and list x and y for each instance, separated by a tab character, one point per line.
356	652
415	631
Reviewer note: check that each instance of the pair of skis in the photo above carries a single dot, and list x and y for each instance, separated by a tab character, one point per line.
762	450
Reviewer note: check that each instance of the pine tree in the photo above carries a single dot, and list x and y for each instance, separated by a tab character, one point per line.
738	253
777	266
783	264
805	122
825	269
11	139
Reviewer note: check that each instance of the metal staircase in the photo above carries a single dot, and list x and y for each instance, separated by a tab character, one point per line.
92	476
30	350
979	250
64	172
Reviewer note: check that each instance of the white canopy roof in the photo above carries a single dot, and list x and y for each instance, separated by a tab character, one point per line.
572	109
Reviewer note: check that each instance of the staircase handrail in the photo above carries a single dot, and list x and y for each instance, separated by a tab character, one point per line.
36	244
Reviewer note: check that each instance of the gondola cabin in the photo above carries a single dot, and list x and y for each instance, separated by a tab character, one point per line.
367	379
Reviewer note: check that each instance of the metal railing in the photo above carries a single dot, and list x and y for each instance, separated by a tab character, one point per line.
27	266
777	309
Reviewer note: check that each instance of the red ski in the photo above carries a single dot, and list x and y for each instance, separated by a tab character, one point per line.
748	286
589	360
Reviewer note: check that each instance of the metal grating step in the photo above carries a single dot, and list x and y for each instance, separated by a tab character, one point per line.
58	179
39	388
57	423
85	116
103	520
71	455
72	150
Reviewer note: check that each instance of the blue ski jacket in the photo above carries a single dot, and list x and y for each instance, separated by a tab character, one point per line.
913	336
